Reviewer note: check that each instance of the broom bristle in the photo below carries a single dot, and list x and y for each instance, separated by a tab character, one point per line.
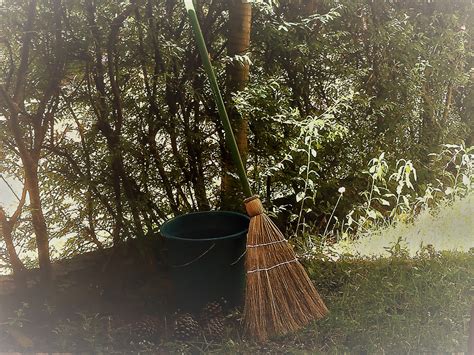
280	297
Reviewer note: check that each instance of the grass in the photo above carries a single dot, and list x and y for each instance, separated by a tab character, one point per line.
395	305
391	305
388	306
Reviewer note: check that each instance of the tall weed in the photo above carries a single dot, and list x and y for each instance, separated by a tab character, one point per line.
399	213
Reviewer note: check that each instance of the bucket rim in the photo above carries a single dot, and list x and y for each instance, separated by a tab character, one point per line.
168	235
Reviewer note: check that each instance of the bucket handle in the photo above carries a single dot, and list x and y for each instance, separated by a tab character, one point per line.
205	252
197	258
240	257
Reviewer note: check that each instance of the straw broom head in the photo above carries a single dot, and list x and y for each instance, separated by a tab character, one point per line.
280	297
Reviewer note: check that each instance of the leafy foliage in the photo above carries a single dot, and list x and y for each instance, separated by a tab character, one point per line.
135	138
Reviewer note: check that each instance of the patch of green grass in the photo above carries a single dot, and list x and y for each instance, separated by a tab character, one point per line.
395	305
379	306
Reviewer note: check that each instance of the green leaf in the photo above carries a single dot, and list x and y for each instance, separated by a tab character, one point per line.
300	196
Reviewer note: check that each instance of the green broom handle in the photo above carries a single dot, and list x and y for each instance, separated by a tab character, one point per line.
229	134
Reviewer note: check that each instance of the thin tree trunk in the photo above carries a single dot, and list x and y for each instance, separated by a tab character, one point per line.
37	217
7	226
162	172
90	230
154	113
448	102
117	156
240	15
171	99
193	146
6	230
430	129
470	342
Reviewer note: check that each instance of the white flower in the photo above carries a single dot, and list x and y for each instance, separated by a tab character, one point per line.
342	190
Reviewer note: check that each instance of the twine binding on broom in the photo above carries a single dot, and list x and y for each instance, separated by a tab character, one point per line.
265	244
272	267
280	297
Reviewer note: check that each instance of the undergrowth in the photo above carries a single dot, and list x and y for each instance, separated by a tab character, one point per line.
394	305
396	207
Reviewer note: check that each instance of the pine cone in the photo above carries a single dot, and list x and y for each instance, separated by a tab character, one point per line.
212	320
212	310
214	328
186	327
147	328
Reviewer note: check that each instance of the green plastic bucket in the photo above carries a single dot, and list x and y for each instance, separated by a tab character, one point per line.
205	255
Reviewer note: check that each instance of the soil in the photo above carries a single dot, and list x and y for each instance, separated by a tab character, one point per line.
123	284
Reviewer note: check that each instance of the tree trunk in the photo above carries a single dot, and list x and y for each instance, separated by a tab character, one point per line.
467	117
470	344
37	217
240	15
163	175
430	128
194	152
6	229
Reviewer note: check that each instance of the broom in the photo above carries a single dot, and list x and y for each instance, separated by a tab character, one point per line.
280	297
